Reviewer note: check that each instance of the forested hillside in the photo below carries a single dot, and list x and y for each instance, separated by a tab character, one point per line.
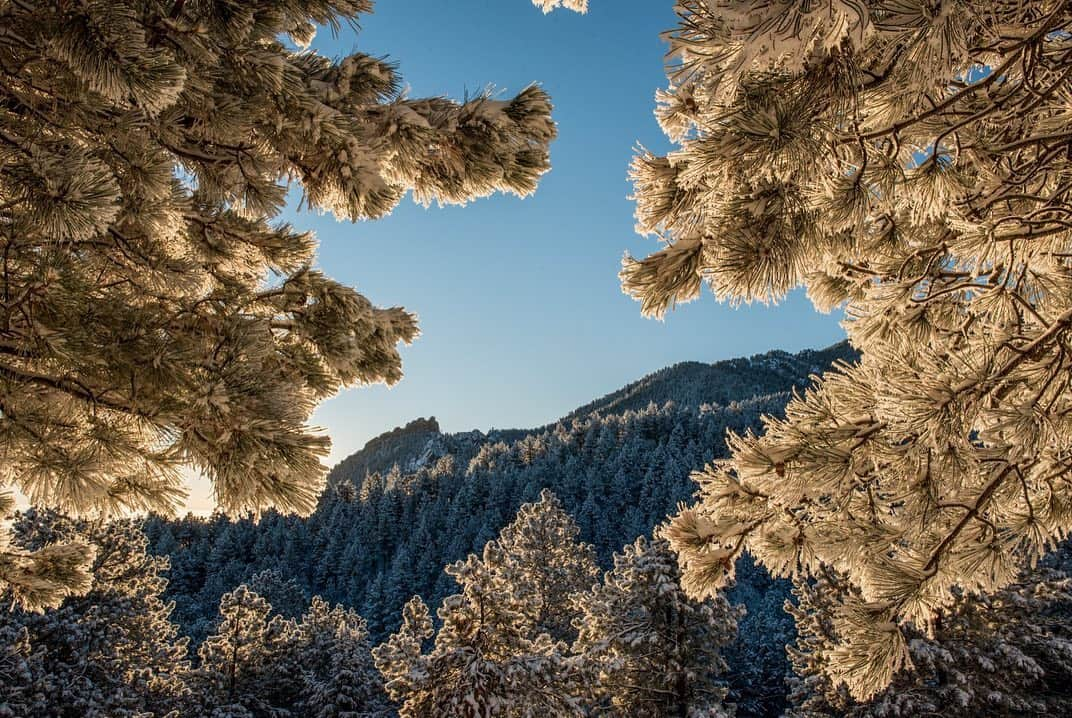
694	384
415	499
689	385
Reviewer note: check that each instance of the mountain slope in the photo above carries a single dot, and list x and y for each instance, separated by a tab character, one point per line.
689	385
693	384
405	446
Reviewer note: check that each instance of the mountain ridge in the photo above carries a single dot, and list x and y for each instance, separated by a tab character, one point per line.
772	365
689	384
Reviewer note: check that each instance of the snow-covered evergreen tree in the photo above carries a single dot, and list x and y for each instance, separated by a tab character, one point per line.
251	663
353	689
1005	654
24	686
908	161
546	567
282	593
146	149
496	653
111	652
758	664
649	650
812	694
340	680
407	671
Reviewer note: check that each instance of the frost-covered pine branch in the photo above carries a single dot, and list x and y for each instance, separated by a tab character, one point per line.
911	163
155	315
43	576
1003	654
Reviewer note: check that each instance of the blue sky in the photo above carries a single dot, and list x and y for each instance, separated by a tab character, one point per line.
521	313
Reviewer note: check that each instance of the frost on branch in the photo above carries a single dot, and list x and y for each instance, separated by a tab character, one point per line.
42	576
910	163
156	315
1001	654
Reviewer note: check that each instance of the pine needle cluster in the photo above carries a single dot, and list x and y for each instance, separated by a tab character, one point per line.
156	316
910	162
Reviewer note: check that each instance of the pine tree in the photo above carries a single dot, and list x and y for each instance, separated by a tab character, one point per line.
909	162
339	678
1005	654
650	650
495	654
24	686
284	595
373	606
353	690
146	149
812	694
759	666
345	491
111	651
251	661
407	671
546	566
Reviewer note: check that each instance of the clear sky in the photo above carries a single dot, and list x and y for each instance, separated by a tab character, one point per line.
521	313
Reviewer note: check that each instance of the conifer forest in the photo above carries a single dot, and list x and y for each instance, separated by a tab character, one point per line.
877	526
